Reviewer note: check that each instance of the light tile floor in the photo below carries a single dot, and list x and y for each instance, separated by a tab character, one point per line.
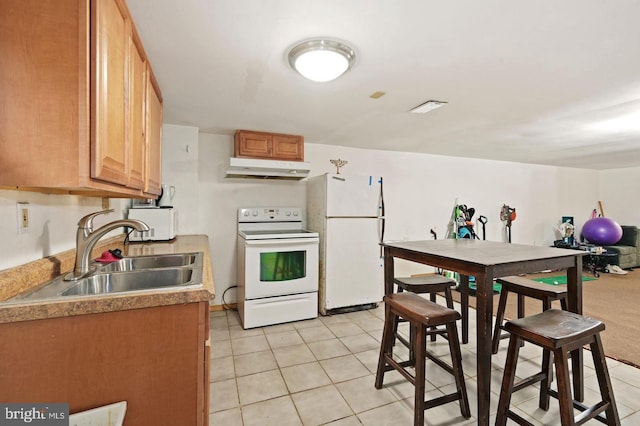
322	371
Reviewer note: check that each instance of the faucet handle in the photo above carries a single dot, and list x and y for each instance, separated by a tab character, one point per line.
87	221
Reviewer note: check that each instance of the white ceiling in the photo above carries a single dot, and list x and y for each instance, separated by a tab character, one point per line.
525	81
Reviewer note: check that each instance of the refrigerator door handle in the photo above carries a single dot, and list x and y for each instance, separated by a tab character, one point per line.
381	200
381	221
381	217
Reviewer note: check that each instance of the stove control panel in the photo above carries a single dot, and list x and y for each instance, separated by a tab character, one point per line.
270	214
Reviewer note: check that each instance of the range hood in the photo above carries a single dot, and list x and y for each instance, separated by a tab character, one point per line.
267	169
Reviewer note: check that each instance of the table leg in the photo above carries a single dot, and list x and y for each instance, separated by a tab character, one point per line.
574	294
388	271
464	303
484	312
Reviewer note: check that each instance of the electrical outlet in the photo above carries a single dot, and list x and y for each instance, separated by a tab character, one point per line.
23	217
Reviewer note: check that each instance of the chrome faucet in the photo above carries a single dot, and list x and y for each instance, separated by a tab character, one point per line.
86	239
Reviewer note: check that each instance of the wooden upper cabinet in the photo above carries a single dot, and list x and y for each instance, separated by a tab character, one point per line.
252	144
272	146
43	123
77	77
119	148
137	101
288	147
153	136
111	29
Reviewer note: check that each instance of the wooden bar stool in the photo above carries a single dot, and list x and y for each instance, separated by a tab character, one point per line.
524	287
426	284
421	314
557	332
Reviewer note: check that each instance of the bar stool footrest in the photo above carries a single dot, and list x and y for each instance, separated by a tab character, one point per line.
441	400
528	381
448	368
437	331
516	418
400	367
588	413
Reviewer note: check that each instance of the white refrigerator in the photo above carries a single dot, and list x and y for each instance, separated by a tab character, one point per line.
348	214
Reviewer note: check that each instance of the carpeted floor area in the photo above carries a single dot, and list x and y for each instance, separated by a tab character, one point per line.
558	279
614	299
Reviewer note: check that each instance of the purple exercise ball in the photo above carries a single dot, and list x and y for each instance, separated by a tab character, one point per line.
602	230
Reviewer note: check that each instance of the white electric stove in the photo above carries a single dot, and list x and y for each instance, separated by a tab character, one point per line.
277	266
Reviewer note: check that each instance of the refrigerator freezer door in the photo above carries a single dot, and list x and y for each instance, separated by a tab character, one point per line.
353	269
352	196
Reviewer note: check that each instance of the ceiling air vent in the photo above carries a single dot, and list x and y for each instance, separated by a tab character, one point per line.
427	106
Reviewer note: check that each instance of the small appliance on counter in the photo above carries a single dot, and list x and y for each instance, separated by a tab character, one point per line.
162	221
143	203
164	200
167	192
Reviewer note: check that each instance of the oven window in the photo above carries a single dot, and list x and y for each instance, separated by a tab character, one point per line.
283	265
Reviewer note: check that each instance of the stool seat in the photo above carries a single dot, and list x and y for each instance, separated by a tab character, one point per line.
421	314
531	288
558	333
555	328
524	287
417	309
425	283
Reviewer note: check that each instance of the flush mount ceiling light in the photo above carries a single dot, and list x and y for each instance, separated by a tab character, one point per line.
427	106
321	59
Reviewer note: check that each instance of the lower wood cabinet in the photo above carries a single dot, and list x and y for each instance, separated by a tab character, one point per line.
156	359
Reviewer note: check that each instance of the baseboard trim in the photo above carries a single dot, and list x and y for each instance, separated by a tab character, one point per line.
226	307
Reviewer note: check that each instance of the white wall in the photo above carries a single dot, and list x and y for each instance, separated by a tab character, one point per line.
180	169
420	192
619	191
53	224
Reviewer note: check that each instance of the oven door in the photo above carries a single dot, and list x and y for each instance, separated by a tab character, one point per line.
280	266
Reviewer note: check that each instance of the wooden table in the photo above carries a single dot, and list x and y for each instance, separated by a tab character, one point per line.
486	260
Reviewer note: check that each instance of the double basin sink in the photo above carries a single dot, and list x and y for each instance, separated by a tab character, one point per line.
129	274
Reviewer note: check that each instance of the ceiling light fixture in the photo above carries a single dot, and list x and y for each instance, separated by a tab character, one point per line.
321	60
427	106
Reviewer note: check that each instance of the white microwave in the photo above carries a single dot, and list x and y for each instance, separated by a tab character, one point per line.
162	222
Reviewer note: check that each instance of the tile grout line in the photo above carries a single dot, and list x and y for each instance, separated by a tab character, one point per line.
618	366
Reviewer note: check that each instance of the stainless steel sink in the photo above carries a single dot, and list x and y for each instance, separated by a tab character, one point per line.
130	274
132	281
151	262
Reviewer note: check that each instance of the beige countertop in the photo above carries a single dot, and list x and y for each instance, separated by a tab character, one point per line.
25	277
